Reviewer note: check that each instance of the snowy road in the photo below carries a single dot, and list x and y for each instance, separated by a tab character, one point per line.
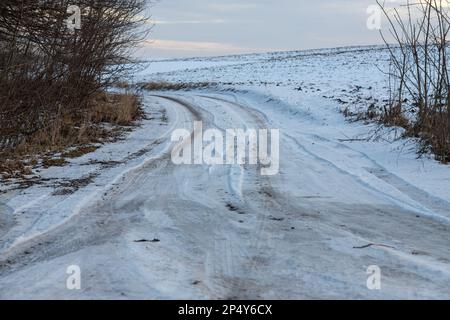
227	231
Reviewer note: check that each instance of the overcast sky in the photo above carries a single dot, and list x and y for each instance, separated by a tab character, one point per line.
216	27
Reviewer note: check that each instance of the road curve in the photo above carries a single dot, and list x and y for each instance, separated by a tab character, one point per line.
163	231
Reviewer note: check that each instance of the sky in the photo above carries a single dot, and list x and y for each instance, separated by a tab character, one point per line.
187	28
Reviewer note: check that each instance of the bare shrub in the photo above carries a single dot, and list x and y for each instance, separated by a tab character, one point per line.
48	72
419	72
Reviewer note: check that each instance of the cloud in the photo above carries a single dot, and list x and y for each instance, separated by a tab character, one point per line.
232	6
210	21
192	45
240	26
160	46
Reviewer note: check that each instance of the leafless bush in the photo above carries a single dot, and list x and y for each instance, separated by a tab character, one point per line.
419	72
48	72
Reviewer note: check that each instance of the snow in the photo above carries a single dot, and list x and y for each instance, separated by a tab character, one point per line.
294	235
353	74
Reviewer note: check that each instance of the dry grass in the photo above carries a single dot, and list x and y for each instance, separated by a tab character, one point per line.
14	168
48	162
367	115
72	135
120	109
435	136
433	133
122	85
394	117
79	151
169	86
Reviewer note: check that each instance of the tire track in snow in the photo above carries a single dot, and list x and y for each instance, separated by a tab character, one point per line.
201	239
82	228
419	200
267	203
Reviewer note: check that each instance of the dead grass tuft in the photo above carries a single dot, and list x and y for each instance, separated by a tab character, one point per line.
79	151
48	162
169	86
395	117
120	109
76	132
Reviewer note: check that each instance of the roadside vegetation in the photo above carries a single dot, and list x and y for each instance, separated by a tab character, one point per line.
174	86
418	75
55	82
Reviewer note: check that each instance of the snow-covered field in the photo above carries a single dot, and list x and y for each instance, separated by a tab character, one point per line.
348	196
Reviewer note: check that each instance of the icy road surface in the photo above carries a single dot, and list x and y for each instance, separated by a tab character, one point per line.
226	231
